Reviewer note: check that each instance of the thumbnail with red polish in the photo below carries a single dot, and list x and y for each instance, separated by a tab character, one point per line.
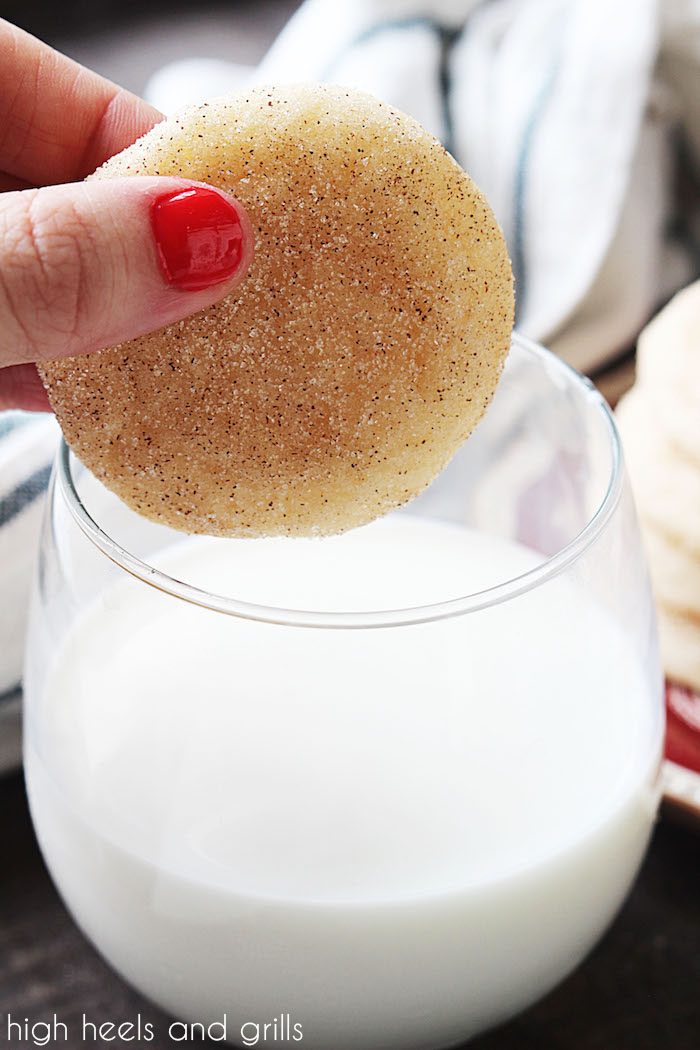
199	237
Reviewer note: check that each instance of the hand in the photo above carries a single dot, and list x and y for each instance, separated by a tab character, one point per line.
88	265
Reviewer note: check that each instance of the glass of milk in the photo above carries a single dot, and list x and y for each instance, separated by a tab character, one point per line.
379	790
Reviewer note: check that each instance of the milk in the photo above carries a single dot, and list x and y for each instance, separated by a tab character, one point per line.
392	837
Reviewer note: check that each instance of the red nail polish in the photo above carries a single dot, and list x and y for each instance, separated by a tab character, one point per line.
199	237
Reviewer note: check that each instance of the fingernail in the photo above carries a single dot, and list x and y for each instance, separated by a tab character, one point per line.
199	237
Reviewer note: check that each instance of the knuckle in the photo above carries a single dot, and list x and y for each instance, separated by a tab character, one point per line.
43	271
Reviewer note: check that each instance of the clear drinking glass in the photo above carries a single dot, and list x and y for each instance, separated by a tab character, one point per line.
377	790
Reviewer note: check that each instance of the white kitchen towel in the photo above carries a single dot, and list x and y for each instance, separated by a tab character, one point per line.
578	119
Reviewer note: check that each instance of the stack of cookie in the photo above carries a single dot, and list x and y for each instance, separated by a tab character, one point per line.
659	420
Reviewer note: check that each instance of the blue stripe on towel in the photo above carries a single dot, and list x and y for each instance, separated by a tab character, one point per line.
24	494
447	38
418	21
10	421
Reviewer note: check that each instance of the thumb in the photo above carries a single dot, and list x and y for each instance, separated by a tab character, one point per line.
89	265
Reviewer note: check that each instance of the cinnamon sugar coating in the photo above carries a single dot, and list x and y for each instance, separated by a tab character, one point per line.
357	355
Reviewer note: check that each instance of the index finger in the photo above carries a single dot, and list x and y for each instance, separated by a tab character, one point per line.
58	120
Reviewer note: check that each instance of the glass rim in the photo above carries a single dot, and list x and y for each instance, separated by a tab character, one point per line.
497	594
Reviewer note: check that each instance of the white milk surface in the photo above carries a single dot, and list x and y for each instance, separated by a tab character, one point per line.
395	836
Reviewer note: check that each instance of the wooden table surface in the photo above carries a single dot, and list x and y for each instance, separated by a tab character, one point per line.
639	990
